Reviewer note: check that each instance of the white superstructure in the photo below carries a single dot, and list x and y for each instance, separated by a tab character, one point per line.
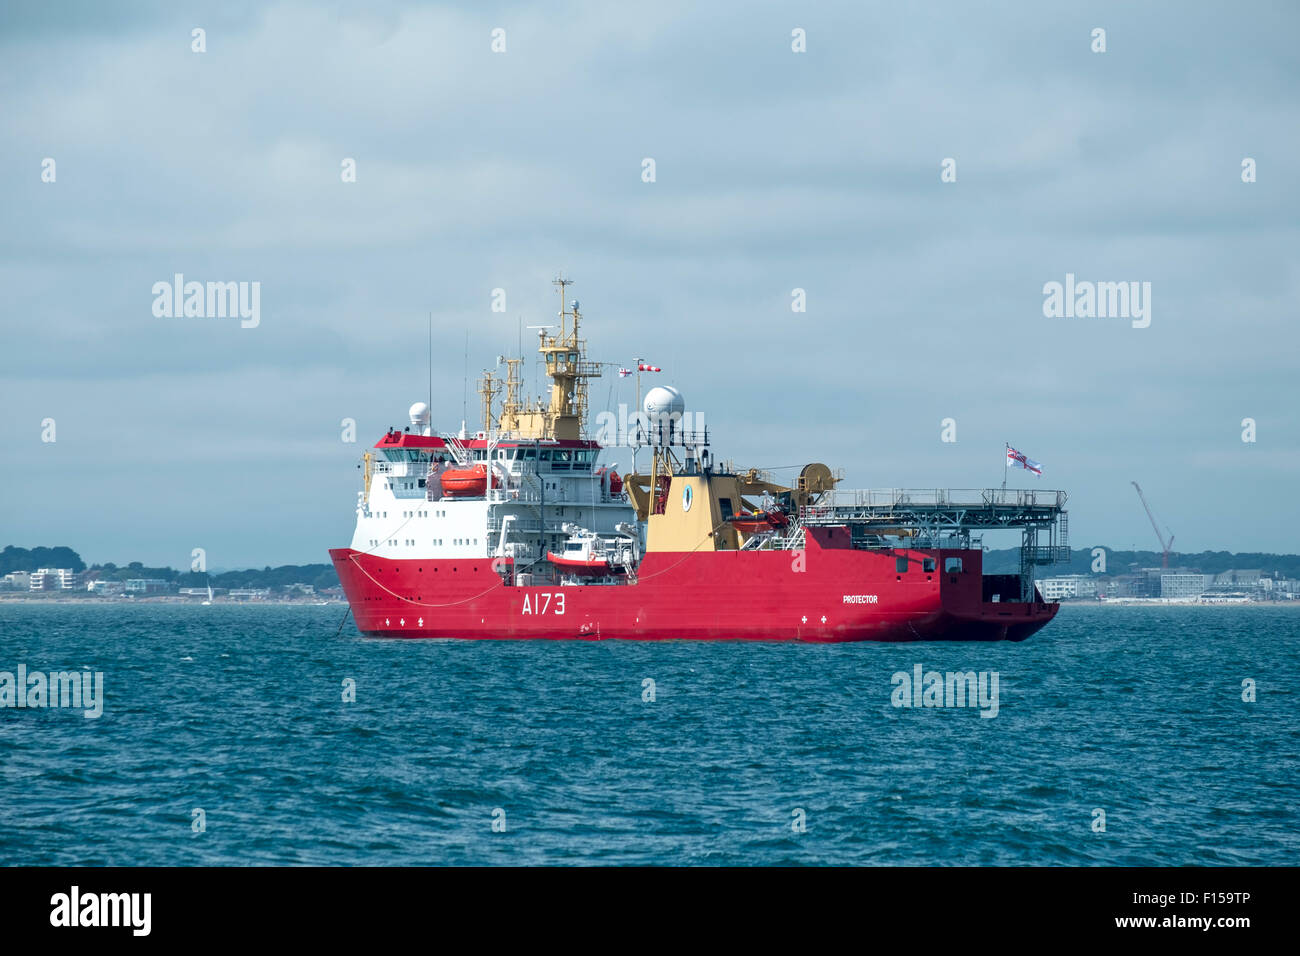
415	504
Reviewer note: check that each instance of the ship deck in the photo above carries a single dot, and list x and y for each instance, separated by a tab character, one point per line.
949	509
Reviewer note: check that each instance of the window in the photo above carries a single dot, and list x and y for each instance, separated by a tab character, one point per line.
900	565
952	565
928	565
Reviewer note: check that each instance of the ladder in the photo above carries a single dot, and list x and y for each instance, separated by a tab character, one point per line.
458	450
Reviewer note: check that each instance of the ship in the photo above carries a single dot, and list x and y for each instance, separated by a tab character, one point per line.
519	530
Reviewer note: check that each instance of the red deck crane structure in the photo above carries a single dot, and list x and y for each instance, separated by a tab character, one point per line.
1166	546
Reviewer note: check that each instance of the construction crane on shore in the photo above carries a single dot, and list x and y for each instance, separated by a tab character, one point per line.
1166	546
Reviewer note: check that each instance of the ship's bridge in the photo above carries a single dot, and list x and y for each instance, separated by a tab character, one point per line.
554	454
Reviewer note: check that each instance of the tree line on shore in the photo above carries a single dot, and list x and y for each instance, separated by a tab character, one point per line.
1007	561
319	576
999	561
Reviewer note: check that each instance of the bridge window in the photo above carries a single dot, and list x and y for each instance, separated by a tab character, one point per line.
952	565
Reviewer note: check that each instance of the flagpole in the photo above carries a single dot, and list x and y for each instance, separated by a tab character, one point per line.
1005	467
636	410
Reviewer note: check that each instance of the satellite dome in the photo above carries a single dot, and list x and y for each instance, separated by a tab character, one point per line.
419	414
664	400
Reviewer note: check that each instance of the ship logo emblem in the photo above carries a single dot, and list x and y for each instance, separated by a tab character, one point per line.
688	495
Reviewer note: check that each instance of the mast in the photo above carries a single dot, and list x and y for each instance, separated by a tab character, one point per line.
512	404
562	283
564	416
489	388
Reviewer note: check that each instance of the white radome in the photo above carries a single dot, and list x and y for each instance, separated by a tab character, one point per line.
419	414
664	400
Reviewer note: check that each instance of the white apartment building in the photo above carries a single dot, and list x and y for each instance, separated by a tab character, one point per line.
53	579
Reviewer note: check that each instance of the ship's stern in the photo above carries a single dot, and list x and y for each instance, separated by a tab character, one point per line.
988	607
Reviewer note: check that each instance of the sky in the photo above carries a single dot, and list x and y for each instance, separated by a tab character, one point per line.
774	170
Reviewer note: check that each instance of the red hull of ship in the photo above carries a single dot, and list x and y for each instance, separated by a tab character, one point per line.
829	592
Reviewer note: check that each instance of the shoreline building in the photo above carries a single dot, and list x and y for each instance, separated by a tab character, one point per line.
53	579
1183	585
17	581
147	586
1068	587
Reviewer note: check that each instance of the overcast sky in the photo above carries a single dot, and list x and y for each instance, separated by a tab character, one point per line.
775	170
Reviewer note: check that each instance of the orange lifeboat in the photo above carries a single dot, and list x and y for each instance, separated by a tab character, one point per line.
466	482
759	521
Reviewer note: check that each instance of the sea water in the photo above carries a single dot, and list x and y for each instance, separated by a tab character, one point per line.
267	735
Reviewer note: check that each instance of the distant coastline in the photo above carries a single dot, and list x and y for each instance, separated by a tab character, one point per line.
81	597
1121	578
1159	602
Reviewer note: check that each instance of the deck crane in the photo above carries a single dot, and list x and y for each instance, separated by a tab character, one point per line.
1166	546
